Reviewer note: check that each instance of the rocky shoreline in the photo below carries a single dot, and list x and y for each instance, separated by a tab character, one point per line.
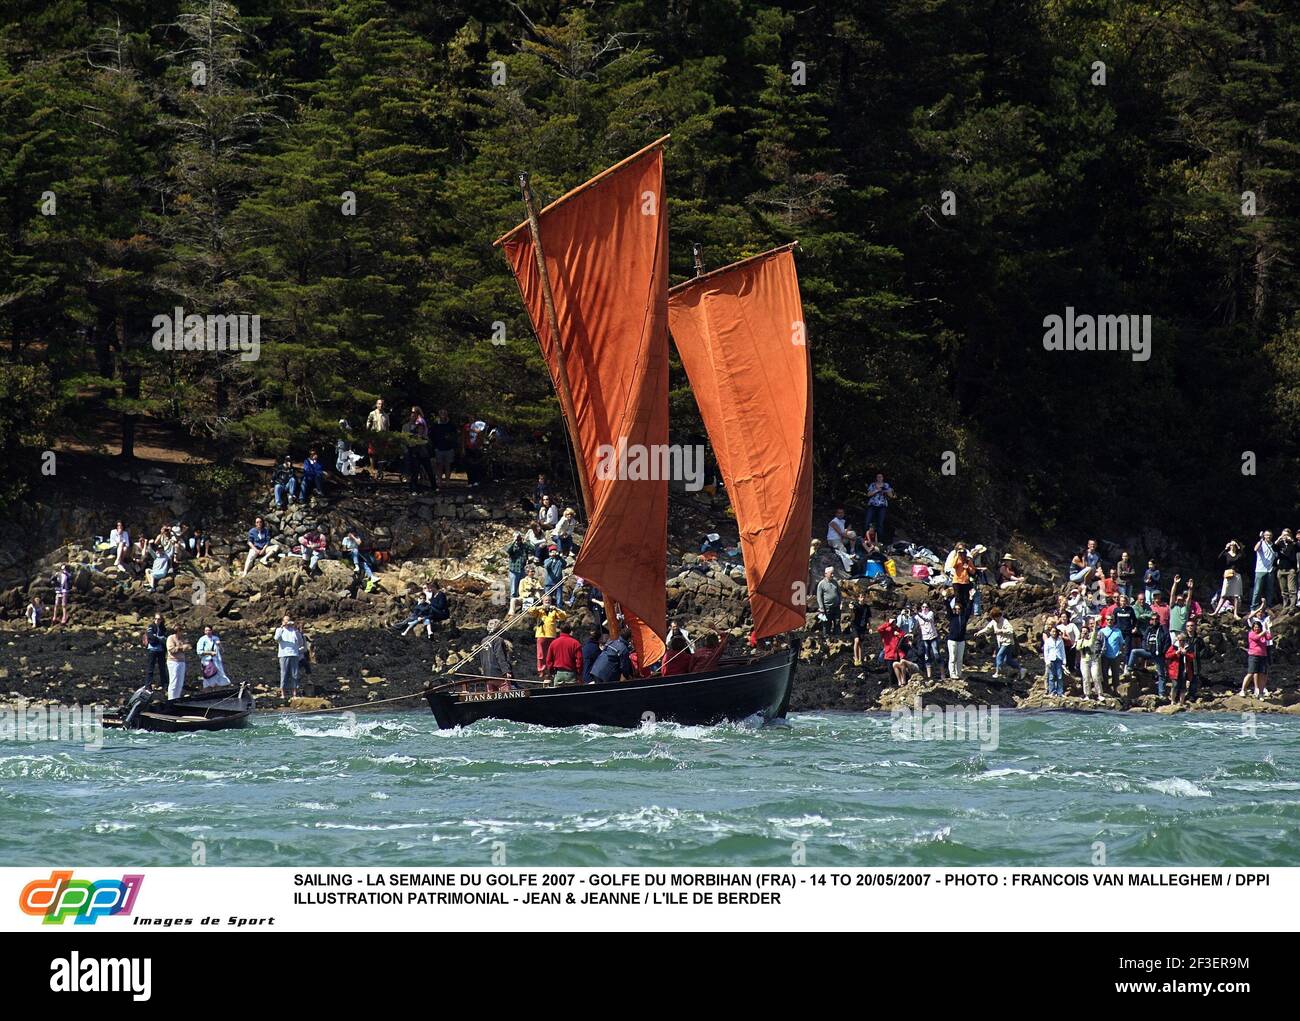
458	537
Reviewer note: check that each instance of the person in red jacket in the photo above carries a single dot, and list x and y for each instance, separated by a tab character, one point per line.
895	642
564	657
677	658
708	651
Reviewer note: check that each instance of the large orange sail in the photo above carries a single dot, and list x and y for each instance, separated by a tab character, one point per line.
606	255
740	334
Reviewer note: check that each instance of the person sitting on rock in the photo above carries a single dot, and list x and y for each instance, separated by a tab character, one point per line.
284	483
36	612
259	545
440	610
119	544
1007	574
199	544
536	538
313	476
529	593
563	531
360	562
894	645
162	565
421	613
315	544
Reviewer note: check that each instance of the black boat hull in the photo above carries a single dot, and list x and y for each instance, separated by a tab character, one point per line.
756	687
214	709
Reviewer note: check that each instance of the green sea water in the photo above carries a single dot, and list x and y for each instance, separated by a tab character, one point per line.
390	789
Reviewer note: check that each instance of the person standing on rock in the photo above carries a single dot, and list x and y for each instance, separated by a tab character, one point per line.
958	618
289	649
1155	643
1256	659
859	625
928	644
1124	574
1190	647
1265	562
1286	567
62	593
878	496
555	566
1115	642
154	641
1004	634
828	603
177	647
376	422
1054	660
518	554
443	435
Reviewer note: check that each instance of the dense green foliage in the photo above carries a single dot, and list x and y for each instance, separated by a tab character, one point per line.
841	125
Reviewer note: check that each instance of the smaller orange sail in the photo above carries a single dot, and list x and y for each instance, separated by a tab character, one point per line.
740	334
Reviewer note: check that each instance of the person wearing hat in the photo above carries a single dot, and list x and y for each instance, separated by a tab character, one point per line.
1007	576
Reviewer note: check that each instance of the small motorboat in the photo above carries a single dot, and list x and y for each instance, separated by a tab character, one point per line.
214	709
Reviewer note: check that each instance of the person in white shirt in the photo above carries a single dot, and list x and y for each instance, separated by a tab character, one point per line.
563	531
177	647
1005	634
548	514
837	530
1054	658
289	647
211	666
119	541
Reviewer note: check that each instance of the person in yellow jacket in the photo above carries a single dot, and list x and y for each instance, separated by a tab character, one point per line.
548	617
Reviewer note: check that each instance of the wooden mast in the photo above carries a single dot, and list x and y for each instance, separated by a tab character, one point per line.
562	370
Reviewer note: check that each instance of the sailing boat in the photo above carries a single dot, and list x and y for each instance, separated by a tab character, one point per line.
592	271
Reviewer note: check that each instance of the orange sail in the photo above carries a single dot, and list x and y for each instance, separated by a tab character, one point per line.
606	255
740	334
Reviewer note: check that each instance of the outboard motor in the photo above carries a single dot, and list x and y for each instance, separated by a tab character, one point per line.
140	701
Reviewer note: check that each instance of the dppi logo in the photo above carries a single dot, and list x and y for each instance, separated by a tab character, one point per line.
61	896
